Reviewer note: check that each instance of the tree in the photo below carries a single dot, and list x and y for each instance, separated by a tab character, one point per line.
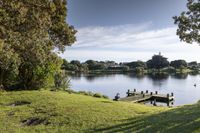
178	64
33	29
76	62
65	64
158	62
91	64
136	64
188	23
193	64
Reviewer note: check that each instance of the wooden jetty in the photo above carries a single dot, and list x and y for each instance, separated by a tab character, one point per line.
137	97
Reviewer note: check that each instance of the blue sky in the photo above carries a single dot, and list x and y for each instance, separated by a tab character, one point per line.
127	30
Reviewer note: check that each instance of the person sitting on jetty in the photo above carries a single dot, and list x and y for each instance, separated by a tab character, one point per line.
117	97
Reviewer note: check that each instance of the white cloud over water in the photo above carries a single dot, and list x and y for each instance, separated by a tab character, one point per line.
128	43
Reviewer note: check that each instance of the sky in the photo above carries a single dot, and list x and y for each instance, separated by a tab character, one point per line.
127	30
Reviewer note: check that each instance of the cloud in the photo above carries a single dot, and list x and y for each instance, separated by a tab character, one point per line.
129	42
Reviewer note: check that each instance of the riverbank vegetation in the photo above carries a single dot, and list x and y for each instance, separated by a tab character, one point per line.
158	64
50	111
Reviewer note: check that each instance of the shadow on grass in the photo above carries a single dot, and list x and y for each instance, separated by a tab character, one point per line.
107	101
183	119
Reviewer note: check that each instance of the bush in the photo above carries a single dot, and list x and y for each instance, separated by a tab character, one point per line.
97	95
86	93
139	69
70	91
61	81
106	97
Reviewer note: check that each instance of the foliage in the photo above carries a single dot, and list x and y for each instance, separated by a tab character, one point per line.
178	64
74	66
136	64
9	62
193	64
139	69
95	65
188	22
158	62
97	95
32	30
61	81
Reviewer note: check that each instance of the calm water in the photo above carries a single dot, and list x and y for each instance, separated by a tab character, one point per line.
181	85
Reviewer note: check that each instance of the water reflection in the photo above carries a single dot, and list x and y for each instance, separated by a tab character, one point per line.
180	75
135	75
91	77
159	76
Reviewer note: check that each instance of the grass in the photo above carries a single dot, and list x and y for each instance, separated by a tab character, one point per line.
64	112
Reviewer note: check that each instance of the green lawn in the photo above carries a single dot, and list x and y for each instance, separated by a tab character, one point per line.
63	112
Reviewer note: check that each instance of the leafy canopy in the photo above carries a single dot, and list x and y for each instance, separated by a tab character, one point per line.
30	30
189	23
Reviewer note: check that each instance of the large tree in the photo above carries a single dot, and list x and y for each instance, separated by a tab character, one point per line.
33	29
178	64
136	64
158	62
189	22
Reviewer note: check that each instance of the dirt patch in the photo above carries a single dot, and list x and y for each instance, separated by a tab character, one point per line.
35	122
19	103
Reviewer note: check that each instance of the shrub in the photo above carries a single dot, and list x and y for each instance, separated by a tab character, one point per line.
97	95
86	93
139	69
106	97
61	81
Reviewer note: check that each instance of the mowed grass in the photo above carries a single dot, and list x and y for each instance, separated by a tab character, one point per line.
64	112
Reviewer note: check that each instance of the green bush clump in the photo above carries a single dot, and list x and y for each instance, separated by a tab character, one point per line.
70	91
106	97
97	95
86	93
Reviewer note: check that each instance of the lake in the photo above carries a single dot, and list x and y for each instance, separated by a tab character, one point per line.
110	84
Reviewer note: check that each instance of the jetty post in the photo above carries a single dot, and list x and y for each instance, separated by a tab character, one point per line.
168	97
128	92
154	103
168	103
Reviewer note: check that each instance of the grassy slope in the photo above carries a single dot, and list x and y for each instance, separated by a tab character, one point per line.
78	113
